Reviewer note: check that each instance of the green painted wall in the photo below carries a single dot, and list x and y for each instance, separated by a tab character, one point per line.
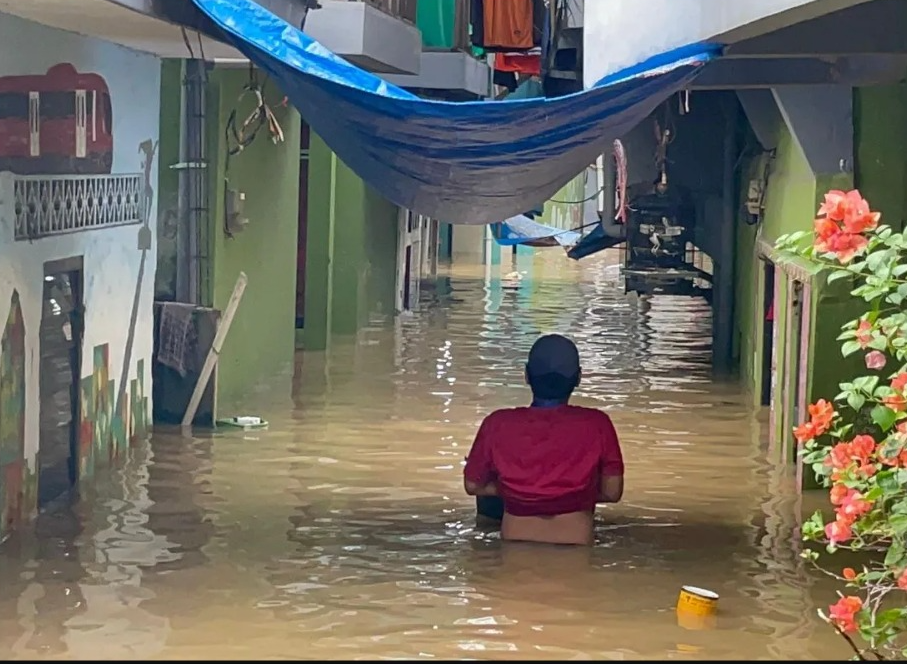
789	206
880	131
880	134
565	209
351	250
258	352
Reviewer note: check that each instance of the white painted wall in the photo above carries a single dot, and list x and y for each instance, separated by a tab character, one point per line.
621	33
111	256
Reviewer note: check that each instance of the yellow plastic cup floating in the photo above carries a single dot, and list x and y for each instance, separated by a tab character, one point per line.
696	608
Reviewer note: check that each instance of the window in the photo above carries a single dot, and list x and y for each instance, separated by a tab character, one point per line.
13	105
107	110
58	105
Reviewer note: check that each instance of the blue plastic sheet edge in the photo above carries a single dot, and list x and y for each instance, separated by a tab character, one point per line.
523	230
470	162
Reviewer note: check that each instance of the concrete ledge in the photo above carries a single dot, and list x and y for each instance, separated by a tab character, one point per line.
366	36
447	70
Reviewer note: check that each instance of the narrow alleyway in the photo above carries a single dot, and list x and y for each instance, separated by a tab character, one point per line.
343	532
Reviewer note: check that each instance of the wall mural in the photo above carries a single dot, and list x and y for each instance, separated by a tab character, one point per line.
56	123
59	124
104	433
18	485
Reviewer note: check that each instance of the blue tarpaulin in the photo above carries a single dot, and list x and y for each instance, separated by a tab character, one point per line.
523	230
470	162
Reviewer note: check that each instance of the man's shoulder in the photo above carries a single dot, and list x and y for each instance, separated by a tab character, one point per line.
504	415
585	412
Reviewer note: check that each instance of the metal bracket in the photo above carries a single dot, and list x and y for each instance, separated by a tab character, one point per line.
189	165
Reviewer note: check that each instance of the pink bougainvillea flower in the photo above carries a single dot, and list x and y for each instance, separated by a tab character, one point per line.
838	493
897	401
862	447
875	360
844	612
840	456
853	507
838	531
821	415
864	333
835	205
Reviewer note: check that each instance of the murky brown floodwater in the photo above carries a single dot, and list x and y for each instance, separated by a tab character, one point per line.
342	532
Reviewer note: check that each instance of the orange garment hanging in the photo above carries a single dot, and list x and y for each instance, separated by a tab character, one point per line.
508	24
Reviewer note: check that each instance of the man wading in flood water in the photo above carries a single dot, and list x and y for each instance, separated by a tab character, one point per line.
542	469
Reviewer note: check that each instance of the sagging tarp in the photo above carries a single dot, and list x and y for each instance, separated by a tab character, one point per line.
468	163
523	230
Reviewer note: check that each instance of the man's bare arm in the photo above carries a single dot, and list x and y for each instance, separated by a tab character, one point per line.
611	489
474	489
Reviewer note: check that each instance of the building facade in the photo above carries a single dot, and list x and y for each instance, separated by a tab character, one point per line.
79	136
817	96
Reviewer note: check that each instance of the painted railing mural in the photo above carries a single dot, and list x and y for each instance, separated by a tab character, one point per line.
53	205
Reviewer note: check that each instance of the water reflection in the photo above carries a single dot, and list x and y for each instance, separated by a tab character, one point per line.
342	531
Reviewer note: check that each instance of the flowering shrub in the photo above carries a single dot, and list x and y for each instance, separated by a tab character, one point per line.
857	444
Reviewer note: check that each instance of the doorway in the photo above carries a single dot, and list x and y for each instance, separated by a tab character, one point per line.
60	370
302	231
768	332
409	260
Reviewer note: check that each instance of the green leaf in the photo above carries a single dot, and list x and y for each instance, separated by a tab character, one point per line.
838	274
866	383
884	417
849	348
878	343
896	554
856	401
898	524
887	481
891	447
814	527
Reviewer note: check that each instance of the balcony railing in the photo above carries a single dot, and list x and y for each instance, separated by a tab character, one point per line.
405	9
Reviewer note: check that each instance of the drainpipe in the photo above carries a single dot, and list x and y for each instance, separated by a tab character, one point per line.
193	184
723	301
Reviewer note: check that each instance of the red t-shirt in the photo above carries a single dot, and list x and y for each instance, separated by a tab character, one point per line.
545	461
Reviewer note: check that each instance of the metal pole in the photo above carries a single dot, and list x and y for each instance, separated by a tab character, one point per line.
182	232
195	111
723	301
193	191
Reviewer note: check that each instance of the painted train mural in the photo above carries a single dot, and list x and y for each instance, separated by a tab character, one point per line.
58	123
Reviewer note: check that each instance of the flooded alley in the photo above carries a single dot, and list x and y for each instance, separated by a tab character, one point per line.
342	531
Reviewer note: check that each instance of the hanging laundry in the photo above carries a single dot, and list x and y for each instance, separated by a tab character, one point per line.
509	24
519	63
477	22
540	23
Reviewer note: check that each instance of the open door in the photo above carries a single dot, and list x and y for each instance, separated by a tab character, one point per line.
60	370
768	332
